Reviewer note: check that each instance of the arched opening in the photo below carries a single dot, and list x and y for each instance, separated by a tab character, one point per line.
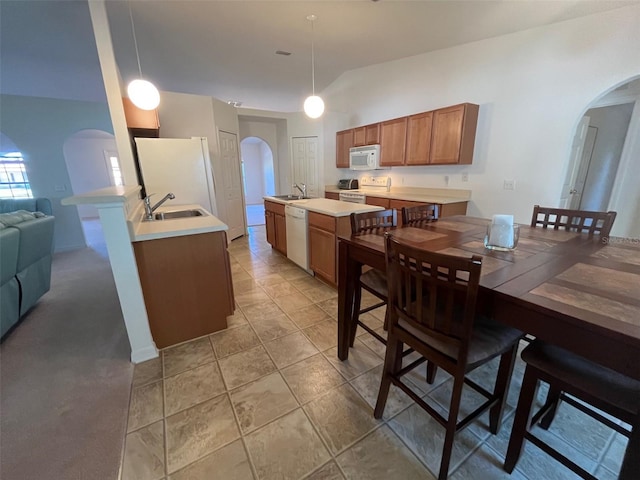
258	177
92	161
605	157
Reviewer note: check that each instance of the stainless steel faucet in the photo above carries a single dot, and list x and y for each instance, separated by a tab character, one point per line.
148	209
303	189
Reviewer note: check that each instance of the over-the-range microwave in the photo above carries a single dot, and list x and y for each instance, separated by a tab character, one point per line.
364	158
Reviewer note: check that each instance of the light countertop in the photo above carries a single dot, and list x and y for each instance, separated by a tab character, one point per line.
333	208
175	227
441	196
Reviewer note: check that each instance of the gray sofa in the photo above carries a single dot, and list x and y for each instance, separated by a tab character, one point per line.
26	249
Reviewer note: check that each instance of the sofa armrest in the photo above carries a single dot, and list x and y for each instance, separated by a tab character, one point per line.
36	240
9	241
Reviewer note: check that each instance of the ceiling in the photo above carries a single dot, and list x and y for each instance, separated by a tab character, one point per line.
226	49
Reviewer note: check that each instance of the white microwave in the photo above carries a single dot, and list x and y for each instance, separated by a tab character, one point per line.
364	158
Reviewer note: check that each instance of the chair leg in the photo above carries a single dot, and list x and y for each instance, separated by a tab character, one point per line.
392	363
522	420
552	403
501	389
452	421
386	318
432	369
356	314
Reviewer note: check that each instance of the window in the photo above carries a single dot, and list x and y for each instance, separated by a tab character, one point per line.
113	167
13	177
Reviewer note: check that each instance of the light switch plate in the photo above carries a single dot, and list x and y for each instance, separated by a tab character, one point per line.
509	185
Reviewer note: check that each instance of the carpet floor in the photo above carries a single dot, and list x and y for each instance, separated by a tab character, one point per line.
65	378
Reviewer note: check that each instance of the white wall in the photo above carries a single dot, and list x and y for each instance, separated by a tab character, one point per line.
253	172
532	88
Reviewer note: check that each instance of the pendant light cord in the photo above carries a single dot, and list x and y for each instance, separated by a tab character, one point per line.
313	62
135	41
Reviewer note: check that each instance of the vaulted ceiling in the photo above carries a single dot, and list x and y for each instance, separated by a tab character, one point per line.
226	49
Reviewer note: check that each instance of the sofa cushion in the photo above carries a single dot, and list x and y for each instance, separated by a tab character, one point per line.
13	218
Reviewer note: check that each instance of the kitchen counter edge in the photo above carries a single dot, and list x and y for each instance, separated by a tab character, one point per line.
141	231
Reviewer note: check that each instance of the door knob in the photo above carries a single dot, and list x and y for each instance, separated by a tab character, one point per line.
572	191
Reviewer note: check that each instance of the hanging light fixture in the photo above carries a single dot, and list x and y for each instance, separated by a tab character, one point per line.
313	105
142	93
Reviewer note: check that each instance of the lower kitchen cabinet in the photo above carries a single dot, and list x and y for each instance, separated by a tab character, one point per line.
276	226
378	201
444	210
187	286
332	195
323	244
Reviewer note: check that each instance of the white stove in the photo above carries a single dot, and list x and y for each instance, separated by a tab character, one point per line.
368	185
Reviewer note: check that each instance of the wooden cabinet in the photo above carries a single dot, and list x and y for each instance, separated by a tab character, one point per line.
453	134
379	201
393	134
323	244
444	210
141	123
367	135
187	287
399	204
418	139
344	141
332	195
276	225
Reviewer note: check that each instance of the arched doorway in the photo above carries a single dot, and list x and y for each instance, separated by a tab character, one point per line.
605	158
258	177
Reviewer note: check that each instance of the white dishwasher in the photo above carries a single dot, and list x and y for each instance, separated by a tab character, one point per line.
297	248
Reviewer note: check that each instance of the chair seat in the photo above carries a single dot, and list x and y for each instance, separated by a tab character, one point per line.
376	282
488	339
601	382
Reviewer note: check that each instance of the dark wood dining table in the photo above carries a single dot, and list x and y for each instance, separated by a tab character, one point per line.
566	288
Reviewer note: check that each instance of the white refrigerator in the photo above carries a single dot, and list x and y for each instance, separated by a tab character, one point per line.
180	166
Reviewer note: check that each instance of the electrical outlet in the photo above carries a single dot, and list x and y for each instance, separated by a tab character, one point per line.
509	185
465	177
60	188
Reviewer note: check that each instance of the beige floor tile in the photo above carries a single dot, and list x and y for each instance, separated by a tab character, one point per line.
186	356
311	377
341	416
146	406
198	431
234	340
360	360
270	280
330	307
370	321
292	302
192	387
373	343
425	437
274	327
290	349
246	285
144	454
227	463
324	335
308	316
321	293
368	385
329	471
240	276
292	272
286	448
147	372
280	289
251	297
306	283
259	402
260	311
236	319
485	463
382	456
246	366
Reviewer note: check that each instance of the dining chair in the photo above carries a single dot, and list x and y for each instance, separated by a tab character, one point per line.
592	384
595	223
419	215
374	281
432	304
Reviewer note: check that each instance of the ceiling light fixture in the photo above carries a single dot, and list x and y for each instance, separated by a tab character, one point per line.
313	105
142	93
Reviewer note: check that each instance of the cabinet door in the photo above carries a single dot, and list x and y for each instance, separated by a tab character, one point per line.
380	202
332	195
344	141
419	138
453	134
322	253
270	223
281	233
393	135
372	134
359	136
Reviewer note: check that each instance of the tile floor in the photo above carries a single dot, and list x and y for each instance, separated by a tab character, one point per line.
268	399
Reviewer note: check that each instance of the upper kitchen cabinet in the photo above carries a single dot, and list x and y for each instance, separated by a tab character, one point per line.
453	135
344	141
367	135
141	123
418	139
393	135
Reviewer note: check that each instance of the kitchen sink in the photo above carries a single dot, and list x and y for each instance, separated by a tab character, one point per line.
177	214
290	197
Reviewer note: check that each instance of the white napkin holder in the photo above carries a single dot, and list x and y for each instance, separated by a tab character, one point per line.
502	233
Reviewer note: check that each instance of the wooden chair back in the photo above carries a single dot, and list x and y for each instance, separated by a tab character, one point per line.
416	216
373	222
595	223
433	295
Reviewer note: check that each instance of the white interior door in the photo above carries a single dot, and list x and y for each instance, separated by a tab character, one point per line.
568	188
583	169
232	184
305	163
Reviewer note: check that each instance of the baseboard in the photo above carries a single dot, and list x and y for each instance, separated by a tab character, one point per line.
144	354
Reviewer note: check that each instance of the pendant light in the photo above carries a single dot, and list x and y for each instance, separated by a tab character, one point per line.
313	105
142	93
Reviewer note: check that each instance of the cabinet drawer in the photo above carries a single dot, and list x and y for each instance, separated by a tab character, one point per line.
332	195
274	207
378	201
325	222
